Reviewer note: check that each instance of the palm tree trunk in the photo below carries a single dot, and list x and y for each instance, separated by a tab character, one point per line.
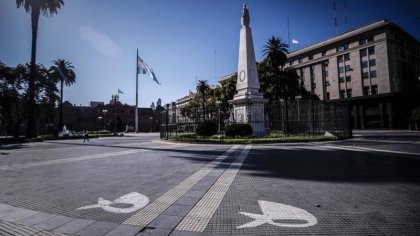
204	109
60	123
31	129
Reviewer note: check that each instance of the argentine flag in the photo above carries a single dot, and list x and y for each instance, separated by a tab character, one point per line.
143	68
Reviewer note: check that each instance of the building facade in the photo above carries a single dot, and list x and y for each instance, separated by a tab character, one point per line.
375	69
111	116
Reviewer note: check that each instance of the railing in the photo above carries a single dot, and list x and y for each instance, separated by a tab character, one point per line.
295	118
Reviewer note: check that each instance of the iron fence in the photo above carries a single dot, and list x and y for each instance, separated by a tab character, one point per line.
293	118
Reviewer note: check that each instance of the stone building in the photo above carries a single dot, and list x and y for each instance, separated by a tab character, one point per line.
100	116
375	69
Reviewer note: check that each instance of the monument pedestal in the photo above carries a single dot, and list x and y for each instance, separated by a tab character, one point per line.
250	111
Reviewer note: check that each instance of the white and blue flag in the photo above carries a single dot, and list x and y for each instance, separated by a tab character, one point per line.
143	68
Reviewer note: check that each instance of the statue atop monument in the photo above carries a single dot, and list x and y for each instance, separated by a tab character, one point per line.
245	16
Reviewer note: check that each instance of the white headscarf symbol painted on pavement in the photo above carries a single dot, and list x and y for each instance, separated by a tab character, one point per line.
137	201
276	211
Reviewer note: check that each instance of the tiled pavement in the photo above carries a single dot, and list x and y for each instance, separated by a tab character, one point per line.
350	193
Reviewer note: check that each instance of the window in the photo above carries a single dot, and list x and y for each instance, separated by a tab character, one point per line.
327	96
348	78
366	90
313	72
373	74
342	93
372	62
366	40
340	69
342	47
348	68
323	53
347	57
313	85
365	75
363	52
327	83
371	50
374	89
300	60
326	72
364	64
302	74
310	57
349	93
291	63
341	79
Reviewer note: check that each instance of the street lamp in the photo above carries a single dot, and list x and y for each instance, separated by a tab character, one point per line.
167	120
100	121
151	124
219	104
115	99
104	111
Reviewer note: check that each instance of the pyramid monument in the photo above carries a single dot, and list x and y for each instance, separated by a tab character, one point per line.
248	102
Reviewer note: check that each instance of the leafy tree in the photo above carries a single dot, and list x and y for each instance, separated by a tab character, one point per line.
35	8
12	97
62	71
202	89
14	92
192	110
224	93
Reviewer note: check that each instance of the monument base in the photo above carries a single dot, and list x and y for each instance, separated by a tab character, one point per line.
250	112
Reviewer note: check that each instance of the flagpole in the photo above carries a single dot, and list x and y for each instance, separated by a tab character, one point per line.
137	94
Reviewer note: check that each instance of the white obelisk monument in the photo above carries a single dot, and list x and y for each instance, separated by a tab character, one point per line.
248	102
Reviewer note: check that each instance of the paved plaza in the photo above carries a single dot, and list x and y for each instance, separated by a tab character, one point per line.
140	185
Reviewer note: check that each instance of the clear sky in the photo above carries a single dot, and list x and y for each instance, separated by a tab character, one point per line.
177	38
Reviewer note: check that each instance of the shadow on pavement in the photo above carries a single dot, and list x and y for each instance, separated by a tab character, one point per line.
323	165
12	146
332	165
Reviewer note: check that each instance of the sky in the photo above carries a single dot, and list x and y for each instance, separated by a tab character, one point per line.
182	40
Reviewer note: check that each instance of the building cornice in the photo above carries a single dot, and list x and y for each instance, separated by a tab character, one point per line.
340	38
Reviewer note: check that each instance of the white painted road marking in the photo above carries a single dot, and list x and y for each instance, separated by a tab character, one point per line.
276	211
82	158
137	201
364	149
154	209
198	218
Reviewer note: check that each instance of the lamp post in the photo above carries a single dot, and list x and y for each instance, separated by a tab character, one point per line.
104	111
101	121
151	124
115	99
219	104
167	121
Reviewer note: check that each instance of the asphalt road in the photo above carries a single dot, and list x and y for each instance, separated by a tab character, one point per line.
140	185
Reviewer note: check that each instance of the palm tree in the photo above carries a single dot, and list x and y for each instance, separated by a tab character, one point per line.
202	89
275	51
36	7
62	71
